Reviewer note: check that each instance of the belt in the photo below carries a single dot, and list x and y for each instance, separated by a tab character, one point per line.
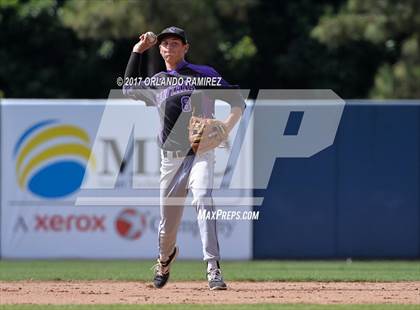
175	154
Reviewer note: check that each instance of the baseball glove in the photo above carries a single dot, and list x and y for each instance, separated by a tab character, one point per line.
206	134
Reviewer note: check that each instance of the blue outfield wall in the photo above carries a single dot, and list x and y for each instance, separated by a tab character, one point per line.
357	198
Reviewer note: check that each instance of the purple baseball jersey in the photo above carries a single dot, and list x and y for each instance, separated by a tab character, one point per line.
178	94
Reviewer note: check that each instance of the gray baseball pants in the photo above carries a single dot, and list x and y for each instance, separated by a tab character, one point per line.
178	176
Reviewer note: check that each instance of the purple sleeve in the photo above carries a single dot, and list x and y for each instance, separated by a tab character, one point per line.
234	98
214	73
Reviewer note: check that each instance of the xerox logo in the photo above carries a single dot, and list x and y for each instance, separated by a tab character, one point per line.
67	223
131	224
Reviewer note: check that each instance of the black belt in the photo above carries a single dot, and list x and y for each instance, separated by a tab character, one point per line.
176	154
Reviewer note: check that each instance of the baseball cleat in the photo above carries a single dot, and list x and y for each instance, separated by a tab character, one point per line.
214	276
162	270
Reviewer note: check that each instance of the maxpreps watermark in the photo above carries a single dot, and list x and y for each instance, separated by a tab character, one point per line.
228	215
276	124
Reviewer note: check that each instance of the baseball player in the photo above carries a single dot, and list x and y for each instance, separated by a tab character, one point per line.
183	168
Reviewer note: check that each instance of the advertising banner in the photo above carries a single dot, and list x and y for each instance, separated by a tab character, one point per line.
46	154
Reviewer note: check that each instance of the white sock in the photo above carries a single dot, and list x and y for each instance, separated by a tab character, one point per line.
211	264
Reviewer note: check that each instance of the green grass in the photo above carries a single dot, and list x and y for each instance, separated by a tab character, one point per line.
209	307
194	270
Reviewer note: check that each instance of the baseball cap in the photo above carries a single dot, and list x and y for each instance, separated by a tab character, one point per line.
172	31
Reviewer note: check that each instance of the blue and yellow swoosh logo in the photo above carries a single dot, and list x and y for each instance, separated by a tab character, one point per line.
51	158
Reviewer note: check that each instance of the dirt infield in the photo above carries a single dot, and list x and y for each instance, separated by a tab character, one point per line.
110	292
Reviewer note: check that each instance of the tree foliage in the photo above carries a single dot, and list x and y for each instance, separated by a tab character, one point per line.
41	58
116	19
77	48
393	26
